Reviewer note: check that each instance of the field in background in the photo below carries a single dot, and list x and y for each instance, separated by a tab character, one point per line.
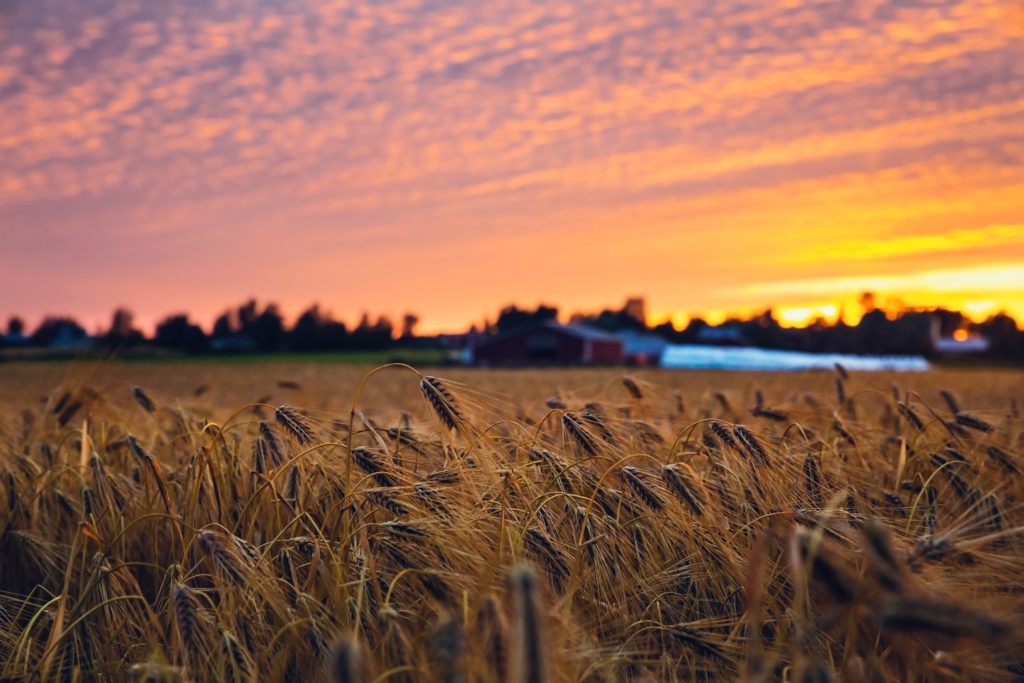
540	525
323	384
146	355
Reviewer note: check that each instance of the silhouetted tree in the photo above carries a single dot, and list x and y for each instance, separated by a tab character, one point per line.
1006	340
224	326
764	330
15	326
177	332
513	317
384	326
632	316
868	302
316	331
636	309
363	333
333	335
691	333
409	322
122	332
246	315
668	332
369	335
58	331
869	330
305	332
249	328
267	329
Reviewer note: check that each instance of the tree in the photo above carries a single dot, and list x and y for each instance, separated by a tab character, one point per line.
317	331
224	325
246	315
122	332
15	326
177	332
368	335
333	335
251	328
868	302
409	322
267	329
636	308
58	331
667	331
691	333
305	333
632	316
383	326
512	317
1005	339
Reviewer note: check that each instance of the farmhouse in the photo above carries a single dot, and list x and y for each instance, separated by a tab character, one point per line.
549	343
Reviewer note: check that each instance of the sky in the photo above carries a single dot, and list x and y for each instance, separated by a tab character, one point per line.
449	157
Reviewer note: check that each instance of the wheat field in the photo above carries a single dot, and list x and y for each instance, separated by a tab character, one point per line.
289	521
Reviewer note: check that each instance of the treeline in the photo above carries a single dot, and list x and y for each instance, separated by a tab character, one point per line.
879	331
249	327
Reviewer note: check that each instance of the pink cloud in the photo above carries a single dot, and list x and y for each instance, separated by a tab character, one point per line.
640	128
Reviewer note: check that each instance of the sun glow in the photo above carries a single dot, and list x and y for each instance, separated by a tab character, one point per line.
802	316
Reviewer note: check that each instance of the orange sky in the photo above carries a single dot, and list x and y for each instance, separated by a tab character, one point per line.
450	157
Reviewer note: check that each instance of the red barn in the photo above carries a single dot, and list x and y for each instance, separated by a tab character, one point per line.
549	344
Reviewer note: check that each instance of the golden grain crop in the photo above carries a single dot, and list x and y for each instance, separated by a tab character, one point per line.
291	522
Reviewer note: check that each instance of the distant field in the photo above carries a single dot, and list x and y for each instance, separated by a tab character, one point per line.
151	355
222	522
328	381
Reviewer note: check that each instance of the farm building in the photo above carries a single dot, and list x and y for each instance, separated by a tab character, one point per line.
642	349
549	343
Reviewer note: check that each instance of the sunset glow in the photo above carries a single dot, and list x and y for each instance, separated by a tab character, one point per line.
449	158
799	317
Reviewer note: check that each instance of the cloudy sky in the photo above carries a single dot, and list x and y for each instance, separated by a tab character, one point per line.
447	157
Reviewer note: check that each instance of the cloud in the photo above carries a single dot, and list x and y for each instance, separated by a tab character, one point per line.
997	278
773	136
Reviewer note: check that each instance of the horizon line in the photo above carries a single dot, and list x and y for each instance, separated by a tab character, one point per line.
789	317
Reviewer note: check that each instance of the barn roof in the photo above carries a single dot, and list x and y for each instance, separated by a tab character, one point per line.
584	332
